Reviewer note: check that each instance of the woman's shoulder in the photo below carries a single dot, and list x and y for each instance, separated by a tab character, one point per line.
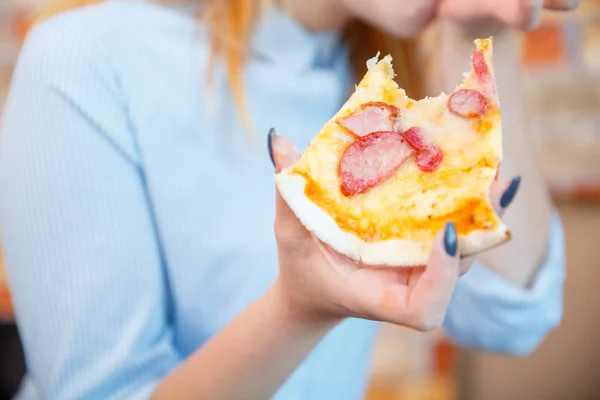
102	44
116	16
82	56
101	28
101	58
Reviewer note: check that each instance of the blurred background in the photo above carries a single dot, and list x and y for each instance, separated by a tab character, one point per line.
561	61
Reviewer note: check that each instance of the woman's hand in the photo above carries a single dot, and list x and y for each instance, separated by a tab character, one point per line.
407	18
258	350
324	284
521	14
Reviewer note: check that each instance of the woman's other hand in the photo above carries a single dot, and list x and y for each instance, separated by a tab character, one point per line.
407	18
521	14
402	18
324	284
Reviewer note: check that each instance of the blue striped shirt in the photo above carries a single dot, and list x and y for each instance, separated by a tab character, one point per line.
136	212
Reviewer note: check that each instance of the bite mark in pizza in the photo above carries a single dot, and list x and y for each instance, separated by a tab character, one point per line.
387	172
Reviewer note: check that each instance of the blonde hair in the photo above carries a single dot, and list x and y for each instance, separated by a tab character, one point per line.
230	24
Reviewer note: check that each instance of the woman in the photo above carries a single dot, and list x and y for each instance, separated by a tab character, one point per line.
137	211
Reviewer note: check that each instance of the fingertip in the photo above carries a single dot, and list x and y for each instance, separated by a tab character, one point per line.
282	151
446	249
450	240
270	139
503	192
509	194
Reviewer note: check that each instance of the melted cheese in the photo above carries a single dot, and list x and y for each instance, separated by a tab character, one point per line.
411	205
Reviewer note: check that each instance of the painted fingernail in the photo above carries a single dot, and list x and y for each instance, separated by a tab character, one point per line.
270	138
450	240
510	193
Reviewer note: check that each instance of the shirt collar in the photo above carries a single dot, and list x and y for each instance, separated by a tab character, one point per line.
279	39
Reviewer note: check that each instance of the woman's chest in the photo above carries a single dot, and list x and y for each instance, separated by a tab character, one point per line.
211	184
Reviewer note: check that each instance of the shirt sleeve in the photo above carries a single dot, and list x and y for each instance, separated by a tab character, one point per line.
490	313
81	249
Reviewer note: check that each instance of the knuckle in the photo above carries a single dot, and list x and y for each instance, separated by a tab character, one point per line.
426	321
422	15
429	324
414	18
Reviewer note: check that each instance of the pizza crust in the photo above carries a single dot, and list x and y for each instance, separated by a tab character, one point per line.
393	252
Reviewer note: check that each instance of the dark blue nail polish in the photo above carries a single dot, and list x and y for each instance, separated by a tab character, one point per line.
450	239
270	138
510	193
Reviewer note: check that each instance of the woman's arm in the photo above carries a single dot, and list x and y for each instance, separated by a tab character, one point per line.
252	356
529	215
81	251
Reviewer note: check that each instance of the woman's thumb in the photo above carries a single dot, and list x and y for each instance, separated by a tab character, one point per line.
283	153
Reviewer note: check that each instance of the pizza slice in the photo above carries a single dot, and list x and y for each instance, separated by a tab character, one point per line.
388	172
